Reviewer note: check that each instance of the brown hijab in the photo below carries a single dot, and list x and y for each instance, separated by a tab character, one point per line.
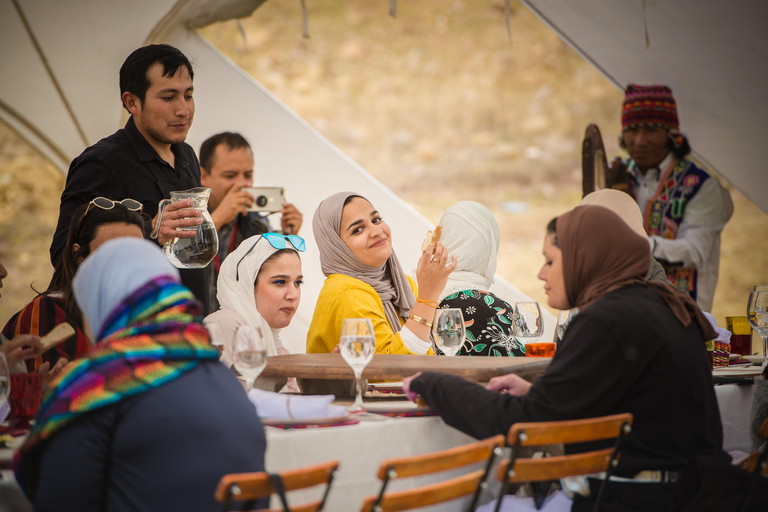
601	254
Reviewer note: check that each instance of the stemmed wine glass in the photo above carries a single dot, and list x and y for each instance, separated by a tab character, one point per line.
564	318
357	346
249	351
526	320
5	388
757	312
448	330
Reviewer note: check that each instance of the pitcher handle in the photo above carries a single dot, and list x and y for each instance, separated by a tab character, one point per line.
160	209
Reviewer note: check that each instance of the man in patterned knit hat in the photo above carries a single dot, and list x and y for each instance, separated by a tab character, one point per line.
684	207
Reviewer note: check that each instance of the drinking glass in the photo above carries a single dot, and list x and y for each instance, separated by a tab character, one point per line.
249	352
757	312
526	320
5	388
563	320
448	330
357	346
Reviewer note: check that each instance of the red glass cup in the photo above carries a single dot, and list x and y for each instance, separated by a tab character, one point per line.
25	397
741	334
540	349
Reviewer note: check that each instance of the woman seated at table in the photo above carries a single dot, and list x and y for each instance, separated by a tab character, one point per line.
471	234
93	224
149	419
635	346
365	280
259	287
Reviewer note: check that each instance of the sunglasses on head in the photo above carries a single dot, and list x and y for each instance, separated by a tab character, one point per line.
107	204
277	241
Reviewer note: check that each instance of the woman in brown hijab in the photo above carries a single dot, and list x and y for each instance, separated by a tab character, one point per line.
635	346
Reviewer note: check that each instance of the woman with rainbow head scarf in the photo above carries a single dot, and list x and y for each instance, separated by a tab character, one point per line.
148	419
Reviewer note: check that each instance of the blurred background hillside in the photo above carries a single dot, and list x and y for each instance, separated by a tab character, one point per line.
436	103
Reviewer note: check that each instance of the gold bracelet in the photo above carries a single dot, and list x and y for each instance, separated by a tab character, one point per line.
430	303
420	320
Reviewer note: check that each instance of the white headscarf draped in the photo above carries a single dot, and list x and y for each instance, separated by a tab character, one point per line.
237	294
112	273
470	233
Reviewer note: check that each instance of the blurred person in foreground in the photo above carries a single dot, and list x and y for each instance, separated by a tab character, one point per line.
364	279
226	167
684	207
148	420
93	224
147	159
259	288
636	346
470	233
21	347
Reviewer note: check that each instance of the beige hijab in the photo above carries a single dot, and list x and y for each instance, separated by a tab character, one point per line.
389	280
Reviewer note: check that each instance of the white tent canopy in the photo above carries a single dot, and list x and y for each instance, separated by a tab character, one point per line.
712	54
59	90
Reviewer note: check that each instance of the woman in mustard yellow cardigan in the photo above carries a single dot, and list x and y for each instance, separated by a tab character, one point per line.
365	280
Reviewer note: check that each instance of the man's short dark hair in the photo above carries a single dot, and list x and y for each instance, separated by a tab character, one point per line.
232	141
133	72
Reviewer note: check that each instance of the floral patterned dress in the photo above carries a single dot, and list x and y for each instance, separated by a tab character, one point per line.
488	320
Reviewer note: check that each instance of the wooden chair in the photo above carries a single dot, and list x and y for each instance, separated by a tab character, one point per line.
473	482
518	469
757	464
252	486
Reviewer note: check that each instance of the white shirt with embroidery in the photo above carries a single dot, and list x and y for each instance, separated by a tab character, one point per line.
698	237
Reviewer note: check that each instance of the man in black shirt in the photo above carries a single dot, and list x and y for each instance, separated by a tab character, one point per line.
148	158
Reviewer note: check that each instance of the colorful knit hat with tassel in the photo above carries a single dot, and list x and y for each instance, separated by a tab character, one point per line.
651	105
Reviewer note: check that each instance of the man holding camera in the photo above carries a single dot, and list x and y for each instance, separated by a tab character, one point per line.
226	164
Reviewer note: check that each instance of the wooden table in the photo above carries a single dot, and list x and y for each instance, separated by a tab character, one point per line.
398	366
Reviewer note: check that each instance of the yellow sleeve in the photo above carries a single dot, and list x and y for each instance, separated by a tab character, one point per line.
346	297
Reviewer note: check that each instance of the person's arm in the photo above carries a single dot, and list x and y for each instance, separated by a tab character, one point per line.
587	376
291	219
703	220
74	464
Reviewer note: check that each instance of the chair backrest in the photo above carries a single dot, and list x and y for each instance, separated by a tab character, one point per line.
481	451
253	486
517	469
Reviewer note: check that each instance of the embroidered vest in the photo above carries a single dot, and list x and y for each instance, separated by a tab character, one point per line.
665	211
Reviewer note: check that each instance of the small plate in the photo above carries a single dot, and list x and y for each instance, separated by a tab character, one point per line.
305	421
754	359
733	357
394	407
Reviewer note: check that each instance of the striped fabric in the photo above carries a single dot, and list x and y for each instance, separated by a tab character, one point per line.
154	337
40	317
651	105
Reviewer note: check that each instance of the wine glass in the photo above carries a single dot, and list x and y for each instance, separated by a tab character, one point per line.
357	346
564	318
5	388
249	351
526	320
448	330
757	312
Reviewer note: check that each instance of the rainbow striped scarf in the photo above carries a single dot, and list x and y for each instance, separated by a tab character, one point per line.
151	339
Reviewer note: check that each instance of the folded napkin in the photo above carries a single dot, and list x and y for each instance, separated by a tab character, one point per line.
294	407
723	335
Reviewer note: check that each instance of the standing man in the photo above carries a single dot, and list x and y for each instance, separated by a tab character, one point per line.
684	207
226	162
148	158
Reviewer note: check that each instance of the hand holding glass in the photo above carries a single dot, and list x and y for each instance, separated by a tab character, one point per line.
757	312
357	345
249	353
448	330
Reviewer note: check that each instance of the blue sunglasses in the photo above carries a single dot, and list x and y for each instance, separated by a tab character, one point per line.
277	241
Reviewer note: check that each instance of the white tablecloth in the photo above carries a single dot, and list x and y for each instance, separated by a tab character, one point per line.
360	449
734	402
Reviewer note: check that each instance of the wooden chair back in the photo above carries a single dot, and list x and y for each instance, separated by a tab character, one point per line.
417	465
517	469
238	487
757	464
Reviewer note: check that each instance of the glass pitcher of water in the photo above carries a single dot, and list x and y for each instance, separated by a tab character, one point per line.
198	251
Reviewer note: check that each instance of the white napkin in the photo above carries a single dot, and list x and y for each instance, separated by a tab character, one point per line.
723	335
294	407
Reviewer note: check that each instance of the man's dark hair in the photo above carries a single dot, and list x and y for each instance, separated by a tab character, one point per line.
683	150
133	72
230	139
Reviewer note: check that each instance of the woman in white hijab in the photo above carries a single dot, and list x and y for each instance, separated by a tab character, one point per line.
471	234
259	287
